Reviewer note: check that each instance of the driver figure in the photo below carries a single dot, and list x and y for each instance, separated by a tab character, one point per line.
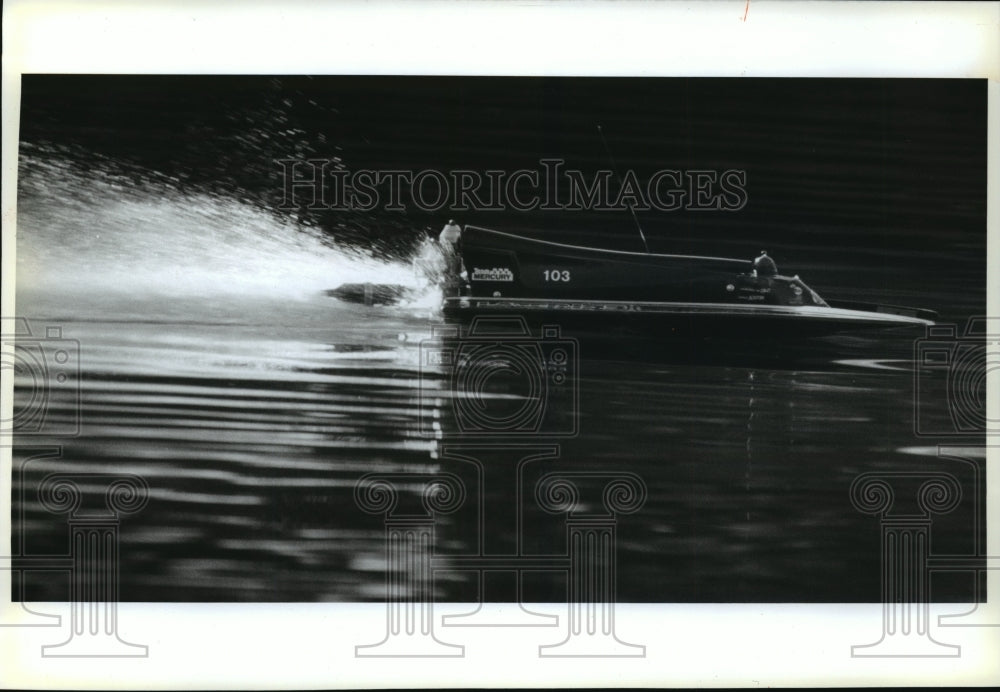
450	242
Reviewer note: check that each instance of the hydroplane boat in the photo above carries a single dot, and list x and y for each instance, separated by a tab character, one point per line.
503	274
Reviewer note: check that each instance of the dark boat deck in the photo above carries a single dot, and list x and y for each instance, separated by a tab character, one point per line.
646	292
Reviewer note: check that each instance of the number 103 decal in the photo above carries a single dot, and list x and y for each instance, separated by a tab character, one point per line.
561	275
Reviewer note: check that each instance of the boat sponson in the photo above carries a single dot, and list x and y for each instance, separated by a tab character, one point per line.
690	317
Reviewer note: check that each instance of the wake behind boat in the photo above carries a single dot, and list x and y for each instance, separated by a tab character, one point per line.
496	273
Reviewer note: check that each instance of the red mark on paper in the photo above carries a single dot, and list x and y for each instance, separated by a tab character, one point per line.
745	10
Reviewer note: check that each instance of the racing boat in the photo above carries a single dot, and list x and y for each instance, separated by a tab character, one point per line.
493	273
505	274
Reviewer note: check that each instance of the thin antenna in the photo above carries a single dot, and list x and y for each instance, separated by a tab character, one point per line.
621	183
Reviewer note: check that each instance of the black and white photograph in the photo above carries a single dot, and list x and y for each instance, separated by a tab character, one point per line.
521	354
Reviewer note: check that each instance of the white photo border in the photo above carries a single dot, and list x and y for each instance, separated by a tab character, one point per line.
312	645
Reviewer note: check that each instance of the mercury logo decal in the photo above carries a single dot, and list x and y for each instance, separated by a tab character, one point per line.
494	274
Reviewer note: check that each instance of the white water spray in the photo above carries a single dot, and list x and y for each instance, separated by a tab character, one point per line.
98	233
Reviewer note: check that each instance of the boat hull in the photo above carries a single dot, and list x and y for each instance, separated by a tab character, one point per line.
683	319
502	265
678	295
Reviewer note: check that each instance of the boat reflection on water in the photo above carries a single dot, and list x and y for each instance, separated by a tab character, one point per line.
739	444
254	434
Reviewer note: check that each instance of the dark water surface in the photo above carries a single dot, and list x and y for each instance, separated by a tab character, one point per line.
211	364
